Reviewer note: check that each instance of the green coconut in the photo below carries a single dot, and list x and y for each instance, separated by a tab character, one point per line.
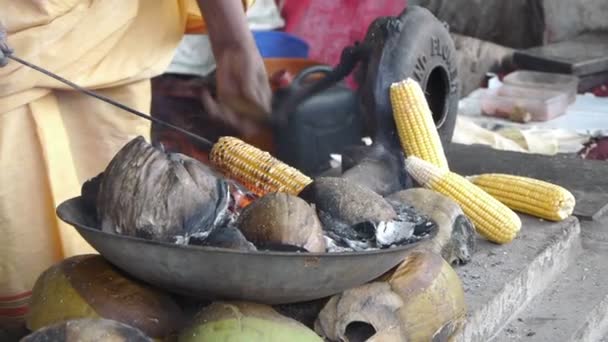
88	330
87	286
245	322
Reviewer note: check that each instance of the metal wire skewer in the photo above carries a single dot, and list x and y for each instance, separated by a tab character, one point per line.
205	142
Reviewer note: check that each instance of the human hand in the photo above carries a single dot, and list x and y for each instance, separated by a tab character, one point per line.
5	51
242	82
220	118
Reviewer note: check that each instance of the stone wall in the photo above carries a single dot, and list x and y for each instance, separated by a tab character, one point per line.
520	23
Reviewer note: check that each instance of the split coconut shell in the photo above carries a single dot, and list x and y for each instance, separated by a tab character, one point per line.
87	286
423	300
88	330
455	239
151	194
282	219
245	322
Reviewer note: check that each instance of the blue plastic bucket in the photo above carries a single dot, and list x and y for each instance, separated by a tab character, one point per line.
277	44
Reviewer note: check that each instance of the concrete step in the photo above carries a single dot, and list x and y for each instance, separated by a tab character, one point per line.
502	279
573	308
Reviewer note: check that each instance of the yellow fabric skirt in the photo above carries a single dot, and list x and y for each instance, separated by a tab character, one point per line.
53	139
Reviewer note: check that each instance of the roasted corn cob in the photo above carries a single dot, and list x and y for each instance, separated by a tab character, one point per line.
256	169
492	219
415	125
527	195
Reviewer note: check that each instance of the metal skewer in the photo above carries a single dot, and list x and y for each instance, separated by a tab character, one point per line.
204	142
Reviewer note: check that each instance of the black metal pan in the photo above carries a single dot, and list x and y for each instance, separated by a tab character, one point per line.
218	273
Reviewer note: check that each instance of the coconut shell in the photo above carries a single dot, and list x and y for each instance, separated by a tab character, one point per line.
455	239
150	194
244	322
348	202
88	330
280	218
87	286
423	300
433	297
373	304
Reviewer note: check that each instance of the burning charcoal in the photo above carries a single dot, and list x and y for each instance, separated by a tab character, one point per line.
226	237
455	239
333	247
348	202
282	219
166	197
408	227
358	237
423	224
393	233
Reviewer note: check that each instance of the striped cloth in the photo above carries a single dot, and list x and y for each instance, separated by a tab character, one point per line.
14	308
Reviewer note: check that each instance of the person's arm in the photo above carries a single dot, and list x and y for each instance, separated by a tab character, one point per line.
241	77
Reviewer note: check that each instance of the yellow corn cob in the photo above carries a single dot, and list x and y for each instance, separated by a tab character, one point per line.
415	125
528	195
256	169
492	219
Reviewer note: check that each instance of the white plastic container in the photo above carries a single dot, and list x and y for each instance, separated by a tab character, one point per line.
544	81
542	104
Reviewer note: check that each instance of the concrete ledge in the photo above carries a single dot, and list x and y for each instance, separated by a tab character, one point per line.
596	323
501	280
573	308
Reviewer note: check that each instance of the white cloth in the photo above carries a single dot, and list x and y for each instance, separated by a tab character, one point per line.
193	55
586	117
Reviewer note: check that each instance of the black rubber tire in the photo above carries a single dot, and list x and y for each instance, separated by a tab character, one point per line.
415	44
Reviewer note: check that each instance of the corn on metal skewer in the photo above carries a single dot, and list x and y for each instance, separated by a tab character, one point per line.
256	169
492	219
528	195
415	125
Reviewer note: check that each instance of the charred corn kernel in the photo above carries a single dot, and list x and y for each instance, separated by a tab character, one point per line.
527	195
256	169
492	219
415	125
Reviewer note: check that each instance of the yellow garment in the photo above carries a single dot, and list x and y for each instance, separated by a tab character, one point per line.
53	139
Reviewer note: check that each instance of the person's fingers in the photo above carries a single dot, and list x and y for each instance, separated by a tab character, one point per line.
216	111
222	113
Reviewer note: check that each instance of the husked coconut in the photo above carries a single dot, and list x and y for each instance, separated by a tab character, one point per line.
282	219
151	194
348	202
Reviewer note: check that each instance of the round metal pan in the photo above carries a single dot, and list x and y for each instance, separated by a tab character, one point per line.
219	273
